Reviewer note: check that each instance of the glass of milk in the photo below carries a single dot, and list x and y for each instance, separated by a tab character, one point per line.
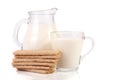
70	43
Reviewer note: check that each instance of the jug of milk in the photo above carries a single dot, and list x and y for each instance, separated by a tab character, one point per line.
40	24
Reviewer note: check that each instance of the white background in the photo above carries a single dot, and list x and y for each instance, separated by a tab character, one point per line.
99	19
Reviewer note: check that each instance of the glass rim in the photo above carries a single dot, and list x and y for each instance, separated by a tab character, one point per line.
43	12
66	32
73	34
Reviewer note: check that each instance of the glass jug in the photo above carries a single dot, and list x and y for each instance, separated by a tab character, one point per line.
40	24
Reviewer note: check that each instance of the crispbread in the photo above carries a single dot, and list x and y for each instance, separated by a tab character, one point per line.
39	61
38	71
33	67
37	52
36	60
33	64
36	57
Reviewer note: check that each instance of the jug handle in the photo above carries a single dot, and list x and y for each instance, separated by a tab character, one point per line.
16	32
92	46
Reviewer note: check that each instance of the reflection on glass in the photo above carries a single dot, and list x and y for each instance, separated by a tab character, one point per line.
36	76
68	75
74	75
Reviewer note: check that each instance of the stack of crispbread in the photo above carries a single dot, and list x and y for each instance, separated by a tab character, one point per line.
39	61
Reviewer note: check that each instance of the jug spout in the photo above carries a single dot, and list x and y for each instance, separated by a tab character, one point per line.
54	10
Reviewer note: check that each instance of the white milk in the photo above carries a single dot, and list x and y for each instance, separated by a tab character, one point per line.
37	37
71	49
